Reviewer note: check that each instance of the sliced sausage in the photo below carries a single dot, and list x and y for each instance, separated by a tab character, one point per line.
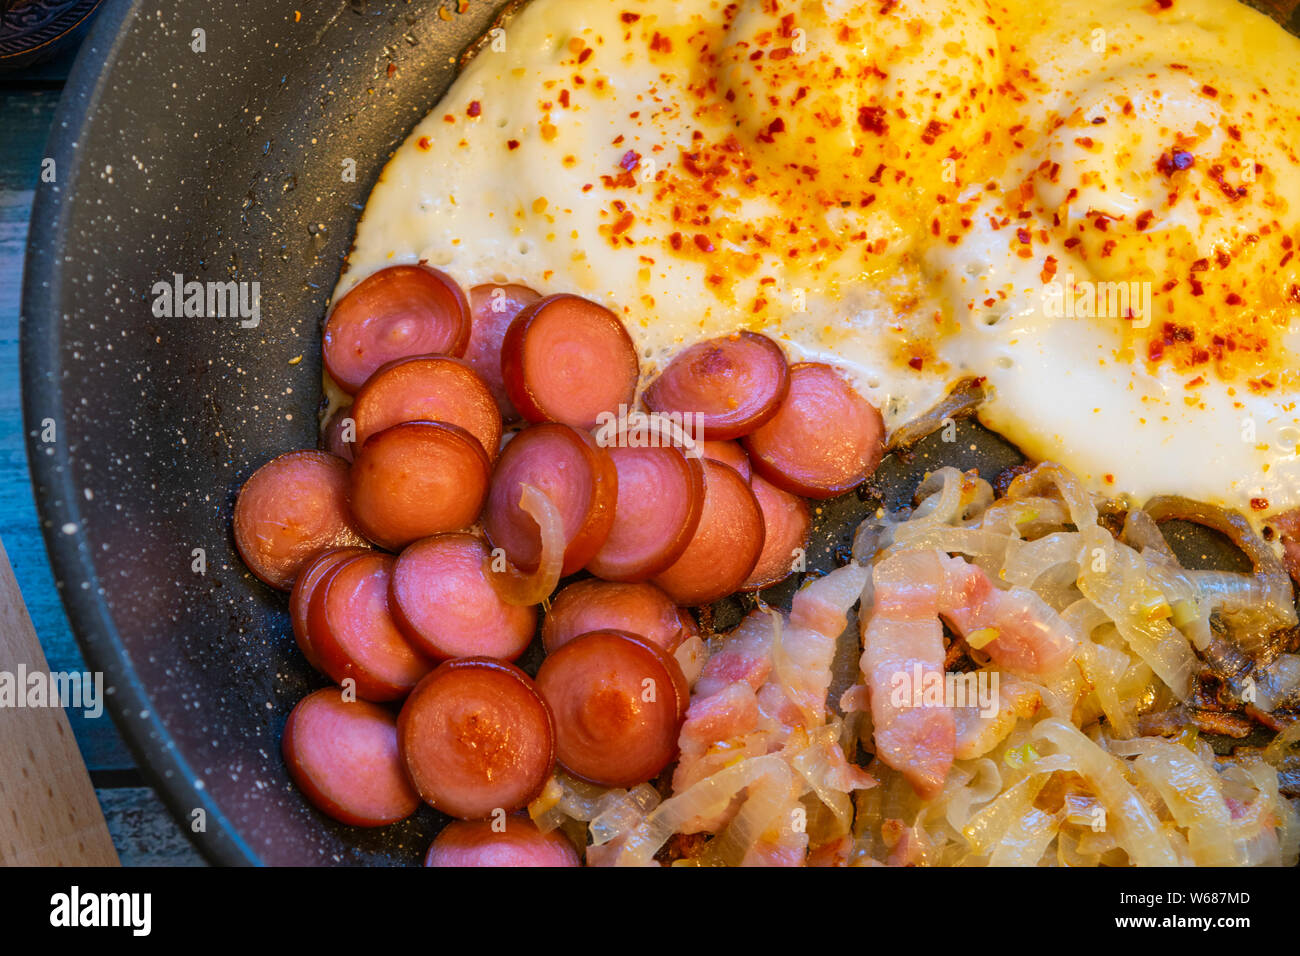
443	602
594	605
520	843
428	388
290	510
734	383
618	703
729	453
339	433
574	473
353	632
493	308
343	755
477	737
567	359
725	546
787	520
416	479
303	590
824	439
398	311
660	496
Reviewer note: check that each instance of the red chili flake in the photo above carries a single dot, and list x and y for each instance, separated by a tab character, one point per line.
1234	133
1259	504
474	108
631	159
1175	161
1024	236
1234	299
1155	349
933	130
630	17
564	98
392	68
1209	91
872	119
675	240
624	222
1201	265
1072	242
780	53
423	143
1195	383
1109	478
702	242
1197	287
875	177
1108	247
512	144
916	362
1099	121
585	55
1232	192
660	43
1084	141
1294	294
1144	219
1178	333
1164	4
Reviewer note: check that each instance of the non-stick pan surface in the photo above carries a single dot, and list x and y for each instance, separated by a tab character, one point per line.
227	155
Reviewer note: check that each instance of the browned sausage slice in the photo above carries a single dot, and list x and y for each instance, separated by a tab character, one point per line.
353	632
343	755
418	479
519	843
618	705
477	737
594	605
728	453
787	520
398	311
725	546
824	439
735	384
303	590
336	437
660	496
442	600
573	472
567	359
428	388
290	510
493	308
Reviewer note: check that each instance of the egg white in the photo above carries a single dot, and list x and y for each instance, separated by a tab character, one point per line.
523	174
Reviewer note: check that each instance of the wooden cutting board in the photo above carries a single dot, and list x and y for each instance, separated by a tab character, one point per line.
48	812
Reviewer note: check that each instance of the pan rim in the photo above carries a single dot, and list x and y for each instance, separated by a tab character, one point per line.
130	706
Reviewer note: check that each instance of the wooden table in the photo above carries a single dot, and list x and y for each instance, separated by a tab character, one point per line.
142	829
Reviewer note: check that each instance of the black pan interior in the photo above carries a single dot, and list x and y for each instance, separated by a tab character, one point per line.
228	164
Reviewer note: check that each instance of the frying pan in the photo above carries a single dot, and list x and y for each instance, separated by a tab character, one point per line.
230	163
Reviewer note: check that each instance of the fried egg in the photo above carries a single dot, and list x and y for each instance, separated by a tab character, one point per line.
1094	209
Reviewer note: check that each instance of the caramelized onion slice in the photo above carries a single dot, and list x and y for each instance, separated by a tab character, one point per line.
515	586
